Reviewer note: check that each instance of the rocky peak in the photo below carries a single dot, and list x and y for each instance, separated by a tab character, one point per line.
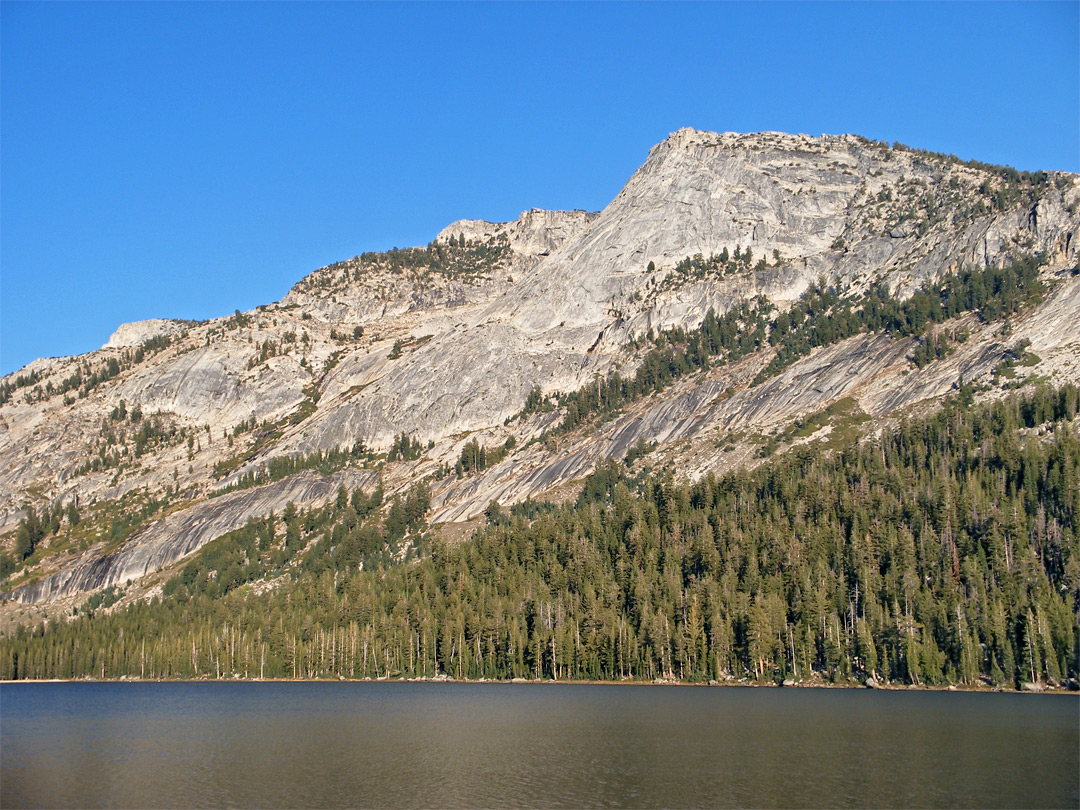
840	207
132	334
532	236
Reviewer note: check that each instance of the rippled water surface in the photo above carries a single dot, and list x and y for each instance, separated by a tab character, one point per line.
530	745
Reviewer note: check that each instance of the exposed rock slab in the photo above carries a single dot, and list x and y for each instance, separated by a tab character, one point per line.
178	535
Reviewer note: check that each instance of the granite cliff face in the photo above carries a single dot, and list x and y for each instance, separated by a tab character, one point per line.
444	344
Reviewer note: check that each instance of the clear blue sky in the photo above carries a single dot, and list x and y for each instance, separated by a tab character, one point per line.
185	160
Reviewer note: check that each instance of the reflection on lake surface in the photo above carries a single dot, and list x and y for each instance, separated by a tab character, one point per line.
530	745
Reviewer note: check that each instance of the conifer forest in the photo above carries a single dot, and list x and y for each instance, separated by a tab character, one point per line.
943	550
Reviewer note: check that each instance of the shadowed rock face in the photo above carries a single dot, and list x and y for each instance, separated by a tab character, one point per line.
367	351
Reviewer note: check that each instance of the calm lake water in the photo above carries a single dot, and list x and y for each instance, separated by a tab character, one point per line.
530	745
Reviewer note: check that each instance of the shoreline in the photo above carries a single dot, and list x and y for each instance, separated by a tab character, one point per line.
1043	690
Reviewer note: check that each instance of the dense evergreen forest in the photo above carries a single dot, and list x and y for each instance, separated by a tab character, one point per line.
943	551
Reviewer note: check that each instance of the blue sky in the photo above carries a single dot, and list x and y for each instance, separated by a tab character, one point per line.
185	160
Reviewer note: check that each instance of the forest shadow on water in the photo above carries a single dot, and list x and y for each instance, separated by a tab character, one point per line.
530	745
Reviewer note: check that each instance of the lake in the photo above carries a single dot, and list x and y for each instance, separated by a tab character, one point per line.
530	745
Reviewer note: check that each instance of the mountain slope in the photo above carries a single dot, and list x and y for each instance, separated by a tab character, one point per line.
445	344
